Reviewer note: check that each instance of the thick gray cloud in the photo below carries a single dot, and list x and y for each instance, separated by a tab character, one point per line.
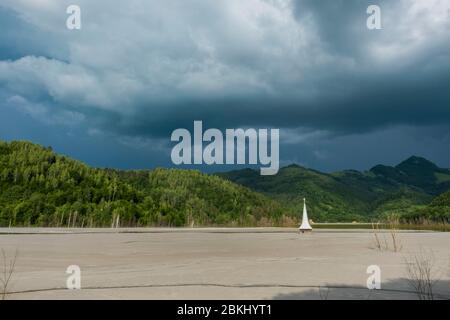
139	69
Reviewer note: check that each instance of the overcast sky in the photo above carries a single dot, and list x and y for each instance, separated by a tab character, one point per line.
343	96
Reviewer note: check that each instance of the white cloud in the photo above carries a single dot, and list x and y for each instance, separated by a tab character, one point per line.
43	113
138	56
412	28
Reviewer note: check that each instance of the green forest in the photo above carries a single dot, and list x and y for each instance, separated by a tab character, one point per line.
411	192
41	188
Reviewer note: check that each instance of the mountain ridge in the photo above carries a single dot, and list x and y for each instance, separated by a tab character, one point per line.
40	187
381	190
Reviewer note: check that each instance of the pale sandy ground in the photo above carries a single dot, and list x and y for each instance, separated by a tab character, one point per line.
266	263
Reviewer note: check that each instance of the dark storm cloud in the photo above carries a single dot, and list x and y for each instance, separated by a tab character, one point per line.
347	89
141	70
19	38
339	23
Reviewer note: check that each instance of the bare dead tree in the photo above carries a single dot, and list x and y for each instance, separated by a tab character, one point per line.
419	269
8	266
375	230
396	243
381	241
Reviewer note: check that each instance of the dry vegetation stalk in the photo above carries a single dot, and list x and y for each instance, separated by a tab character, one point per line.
419	269
7	272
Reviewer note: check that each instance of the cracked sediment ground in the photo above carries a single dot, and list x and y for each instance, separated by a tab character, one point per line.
214	263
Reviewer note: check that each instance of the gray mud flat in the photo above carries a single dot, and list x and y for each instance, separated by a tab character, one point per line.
254	263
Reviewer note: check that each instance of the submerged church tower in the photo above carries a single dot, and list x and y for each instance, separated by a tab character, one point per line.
305	226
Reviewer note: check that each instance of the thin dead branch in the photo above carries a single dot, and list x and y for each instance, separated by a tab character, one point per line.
8	266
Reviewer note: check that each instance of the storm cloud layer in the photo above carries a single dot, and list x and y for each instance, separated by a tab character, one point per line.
139	69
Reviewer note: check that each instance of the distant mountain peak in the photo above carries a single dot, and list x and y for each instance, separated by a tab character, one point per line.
293	165
415	161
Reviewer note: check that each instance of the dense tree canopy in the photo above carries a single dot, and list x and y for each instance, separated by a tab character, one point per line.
41	188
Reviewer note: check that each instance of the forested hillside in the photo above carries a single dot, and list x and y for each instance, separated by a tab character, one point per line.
403	191
328	199
41	188
438	210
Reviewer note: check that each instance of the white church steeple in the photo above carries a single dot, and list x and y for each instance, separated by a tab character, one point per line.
305	226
